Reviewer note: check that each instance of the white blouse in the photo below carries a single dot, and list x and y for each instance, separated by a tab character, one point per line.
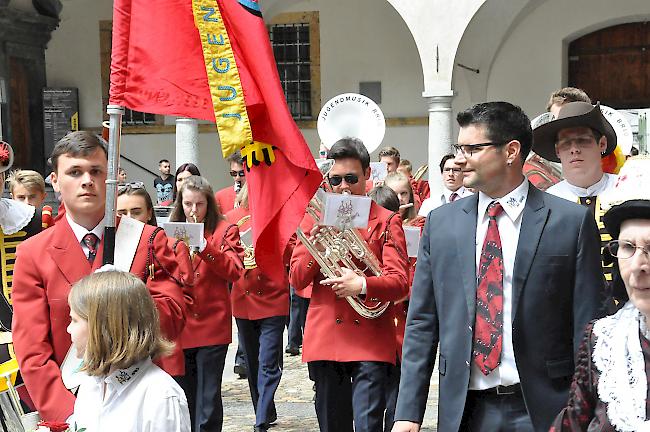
142	398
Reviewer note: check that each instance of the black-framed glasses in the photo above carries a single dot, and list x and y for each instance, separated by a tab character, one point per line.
336	180
132	185
468	149
451	170
240	173
624	249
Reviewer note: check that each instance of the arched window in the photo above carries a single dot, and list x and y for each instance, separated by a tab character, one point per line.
613	65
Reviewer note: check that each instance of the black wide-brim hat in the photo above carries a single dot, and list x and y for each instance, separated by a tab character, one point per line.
573	114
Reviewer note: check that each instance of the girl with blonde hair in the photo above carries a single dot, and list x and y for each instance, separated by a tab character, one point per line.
115	329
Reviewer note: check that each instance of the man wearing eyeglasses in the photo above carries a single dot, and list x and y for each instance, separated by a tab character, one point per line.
349	356
579	138
452	179
226	197
505	283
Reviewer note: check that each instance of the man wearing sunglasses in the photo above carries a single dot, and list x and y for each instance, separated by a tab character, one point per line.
226	197
349	356
579	138
506	281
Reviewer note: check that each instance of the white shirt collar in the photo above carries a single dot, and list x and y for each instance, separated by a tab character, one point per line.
80	231
595	189
513	203
447	193
121	379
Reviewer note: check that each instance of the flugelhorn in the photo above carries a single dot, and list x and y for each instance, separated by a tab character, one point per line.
420	172
340	249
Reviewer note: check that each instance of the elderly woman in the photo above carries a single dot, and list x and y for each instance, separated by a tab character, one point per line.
610	385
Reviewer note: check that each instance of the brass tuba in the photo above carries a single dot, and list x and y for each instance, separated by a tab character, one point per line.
346	115
341	249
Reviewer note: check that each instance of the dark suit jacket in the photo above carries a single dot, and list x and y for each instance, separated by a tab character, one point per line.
557	289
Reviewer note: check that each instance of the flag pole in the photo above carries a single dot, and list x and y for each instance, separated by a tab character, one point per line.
115	113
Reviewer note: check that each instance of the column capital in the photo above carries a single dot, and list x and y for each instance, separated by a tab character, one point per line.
439	101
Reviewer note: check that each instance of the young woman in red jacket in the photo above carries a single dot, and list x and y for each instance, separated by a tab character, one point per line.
208	328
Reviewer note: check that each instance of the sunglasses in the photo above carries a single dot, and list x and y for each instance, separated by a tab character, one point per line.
133	185
237	173
336	180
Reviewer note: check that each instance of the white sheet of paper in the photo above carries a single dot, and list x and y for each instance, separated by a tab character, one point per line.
190	233
378	171
339	207
412	235
246	237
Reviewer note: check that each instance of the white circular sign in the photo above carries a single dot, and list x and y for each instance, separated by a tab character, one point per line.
622	127
351	115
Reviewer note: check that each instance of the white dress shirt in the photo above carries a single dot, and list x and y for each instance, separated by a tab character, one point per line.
433	202
80	232
566	190
142	398
509	223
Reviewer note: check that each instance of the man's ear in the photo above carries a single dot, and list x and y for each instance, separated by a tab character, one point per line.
366	173
513	150
55	182
602	144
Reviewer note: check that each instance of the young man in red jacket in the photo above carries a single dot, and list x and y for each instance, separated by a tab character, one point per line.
49	263
349	356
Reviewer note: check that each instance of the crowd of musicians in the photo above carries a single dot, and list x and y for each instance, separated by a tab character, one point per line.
531	304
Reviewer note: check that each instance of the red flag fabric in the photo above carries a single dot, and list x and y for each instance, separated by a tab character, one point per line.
158	66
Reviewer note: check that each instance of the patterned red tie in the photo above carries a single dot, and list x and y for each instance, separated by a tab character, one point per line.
453	197
91	240
488	330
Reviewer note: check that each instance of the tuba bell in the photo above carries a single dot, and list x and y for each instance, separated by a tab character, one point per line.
346	115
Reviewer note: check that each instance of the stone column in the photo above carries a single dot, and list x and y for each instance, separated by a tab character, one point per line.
187	141
440	139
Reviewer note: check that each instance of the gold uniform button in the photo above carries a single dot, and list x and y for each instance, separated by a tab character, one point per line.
259	293
356	321
339	320
588	201
247	292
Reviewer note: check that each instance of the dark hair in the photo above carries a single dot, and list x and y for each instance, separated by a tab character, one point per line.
385	197
141	192
389	152
163	160
350	148
193	169
503	122
235	158
199	184
444	160
79	143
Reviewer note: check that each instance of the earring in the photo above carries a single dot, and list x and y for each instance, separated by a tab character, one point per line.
509	163
602	153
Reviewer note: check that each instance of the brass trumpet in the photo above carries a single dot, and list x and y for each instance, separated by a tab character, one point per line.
341	248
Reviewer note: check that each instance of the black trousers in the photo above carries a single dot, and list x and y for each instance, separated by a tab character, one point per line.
202	386
297	318
350	392
495	413
263	344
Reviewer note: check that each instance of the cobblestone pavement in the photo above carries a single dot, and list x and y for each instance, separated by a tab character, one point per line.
293	399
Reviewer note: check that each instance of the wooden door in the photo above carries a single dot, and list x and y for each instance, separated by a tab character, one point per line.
613	65
19	114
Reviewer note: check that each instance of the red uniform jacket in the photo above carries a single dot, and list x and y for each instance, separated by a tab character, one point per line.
209	320
226	199
174	364
254	296
334	331
46	267
420	188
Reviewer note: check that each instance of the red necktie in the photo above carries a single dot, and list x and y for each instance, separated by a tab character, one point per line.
91	240
453	197
488	330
